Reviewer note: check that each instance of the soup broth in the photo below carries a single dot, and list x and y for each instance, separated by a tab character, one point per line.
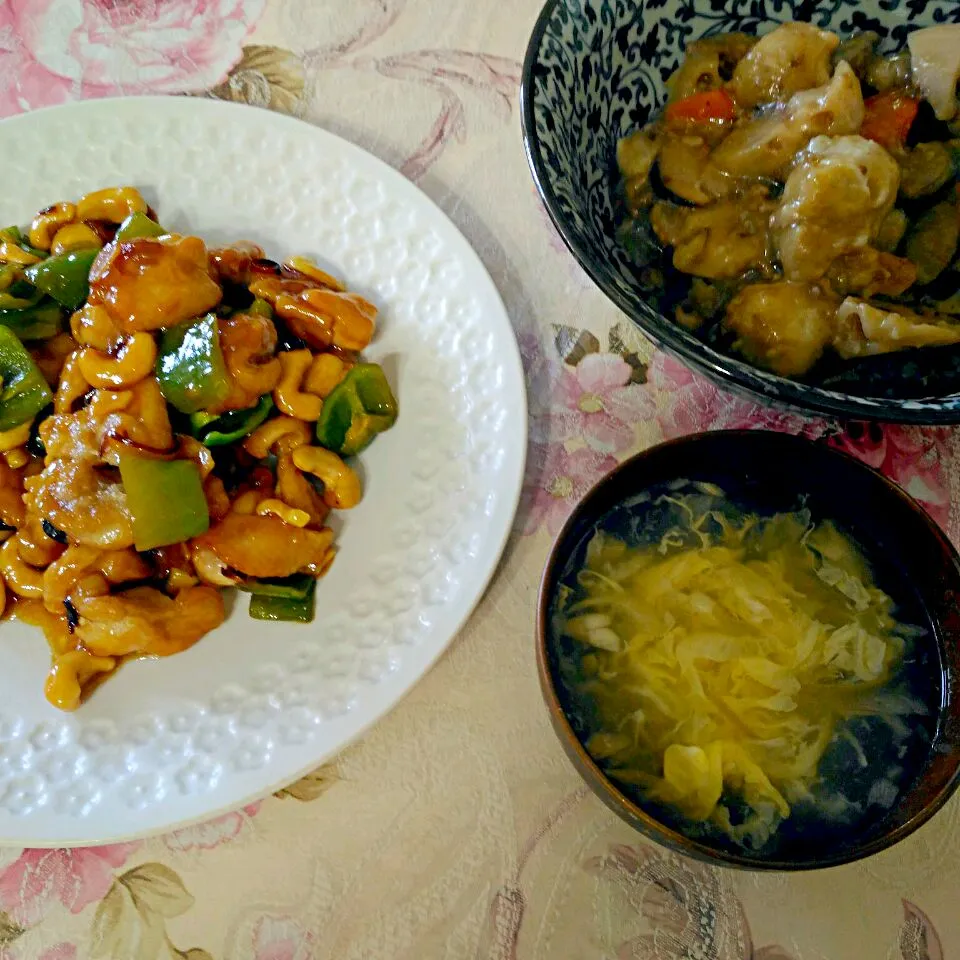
745	737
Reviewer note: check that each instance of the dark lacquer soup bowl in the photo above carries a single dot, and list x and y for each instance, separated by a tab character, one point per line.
912	561
595	72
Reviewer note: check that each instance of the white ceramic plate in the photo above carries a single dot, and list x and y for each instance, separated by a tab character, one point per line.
254	705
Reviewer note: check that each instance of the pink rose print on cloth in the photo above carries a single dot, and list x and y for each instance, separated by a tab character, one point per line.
52	51
62	951
556	480
77	878
580	416
912	456
596	401
281	938
213	833
693	404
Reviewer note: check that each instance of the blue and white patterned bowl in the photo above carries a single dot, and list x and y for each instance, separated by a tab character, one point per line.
595	71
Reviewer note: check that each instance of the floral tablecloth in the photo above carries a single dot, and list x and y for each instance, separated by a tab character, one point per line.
456	829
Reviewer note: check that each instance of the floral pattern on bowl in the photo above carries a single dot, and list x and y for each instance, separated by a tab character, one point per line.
595	70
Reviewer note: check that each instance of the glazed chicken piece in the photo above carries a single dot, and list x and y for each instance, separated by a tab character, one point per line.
248	342
783	327
85	502
794	57
145	621
78	490
833	202
719	241
865	329
265	546
149	283
766	146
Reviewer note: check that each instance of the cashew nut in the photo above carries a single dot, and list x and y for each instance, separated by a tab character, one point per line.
134	361
322	317
178	580
288	514
295	489
63	573
33	544
287	395
246	503
24	581
341	486
114	204
191	449
92	326
326	371
15	437
75	236
210	568
72	386
48	221
70	671
279	435
11	253
305	266
122	566
16	458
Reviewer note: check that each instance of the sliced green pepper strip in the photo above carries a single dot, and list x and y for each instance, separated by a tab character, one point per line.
139	225
260	308
13	233
190	366
297	587
65	278
9	299
165	498
361	406
40	320
231	426
24	391
284	609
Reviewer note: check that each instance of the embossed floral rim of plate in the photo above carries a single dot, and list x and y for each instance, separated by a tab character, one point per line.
254	705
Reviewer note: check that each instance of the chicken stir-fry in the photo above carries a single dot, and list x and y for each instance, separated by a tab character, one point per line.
809	189
174	420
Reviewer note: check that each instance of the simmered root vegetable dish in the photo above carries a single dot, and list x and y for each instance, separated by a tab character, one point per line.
808	188
173	420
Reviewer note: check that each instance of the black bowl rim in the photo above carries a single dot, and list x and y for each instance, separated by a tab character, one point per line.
603	786
722	369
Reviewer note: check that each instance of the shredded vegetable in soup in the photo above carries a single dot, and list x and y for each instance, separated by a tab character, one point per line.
174	420
807	188
724	661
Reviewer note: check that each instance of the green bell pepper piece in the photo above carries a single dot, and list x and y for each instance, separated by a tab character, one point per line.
190	365
231	426
297	587
260	308
13	233
361	406
39	320
285	609
24	392
139	225
66	278
165	498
